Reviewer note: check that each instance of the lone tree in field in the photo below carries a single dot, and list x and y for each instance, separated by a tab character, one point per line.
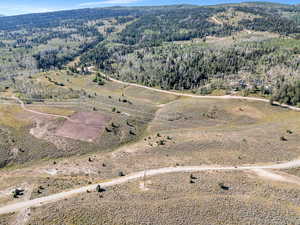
99	189
121	174
282	138
132	133
129	124
18	192
108	130
193	177
223	187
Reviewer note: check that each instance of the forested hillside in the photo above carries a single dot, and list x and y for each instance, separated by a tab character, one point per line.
250	48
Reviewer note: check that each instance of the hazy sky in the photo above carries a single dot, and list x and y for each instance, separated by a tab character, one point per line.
13	7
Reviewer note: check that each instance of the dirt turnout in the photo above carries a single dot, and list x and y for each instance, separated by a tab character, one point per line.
84	126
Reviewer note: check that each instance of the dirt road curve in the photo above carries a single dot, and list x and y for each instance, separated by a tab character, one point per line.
165	92
37	112
202	96
56	197
217	21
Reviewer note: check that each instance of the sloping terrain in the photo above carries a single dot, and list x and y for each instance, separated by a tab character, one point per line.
182	114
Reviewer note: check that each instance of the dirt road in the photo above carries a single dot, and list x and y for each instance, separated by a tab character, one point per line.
39	113
202	96
56	197
67	194
165	92
214	19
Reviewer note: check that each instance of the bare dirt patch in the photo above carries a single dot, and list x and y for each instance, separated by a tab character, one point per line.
278	176
83	126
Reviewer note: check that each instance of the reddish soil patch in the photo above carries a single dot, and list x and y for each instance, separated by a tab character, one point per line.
84	126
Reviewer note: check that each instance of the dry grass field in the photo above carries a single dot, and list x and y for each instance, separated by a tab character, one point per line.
131	129
172	199
81	145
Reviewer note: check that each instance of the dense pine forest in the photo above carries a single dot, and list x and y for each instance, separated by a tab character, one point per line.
248	49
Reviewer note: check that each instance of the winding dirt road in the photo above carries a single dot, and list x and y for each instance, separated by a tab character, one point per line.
201	96
67	194
165	92
37	112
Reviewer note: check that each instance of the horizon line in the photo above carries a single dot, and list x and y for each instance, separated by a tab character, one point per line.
144	6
